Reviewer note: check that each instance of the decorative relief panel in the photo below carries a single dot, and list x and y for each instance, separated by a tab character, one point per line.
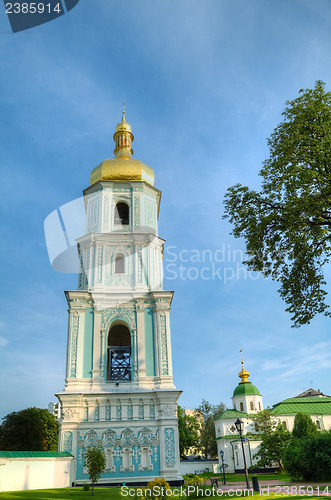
69	414
87	265
136	210
99	265
149	213
74	343
152	257
118	411
93	214
139	265
141	410
106	202
107	411
130	410
164	344
124	311
67	441
126	449
97	413
167	411
152	411
81	276
169	447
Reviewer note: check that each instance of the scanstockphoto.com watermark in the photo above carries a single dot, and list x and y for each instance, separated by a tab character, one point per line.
182	492
206	492
223	264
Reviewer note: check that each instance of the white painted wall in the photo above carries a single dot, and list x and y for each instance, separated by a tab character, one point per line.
34	473
196	466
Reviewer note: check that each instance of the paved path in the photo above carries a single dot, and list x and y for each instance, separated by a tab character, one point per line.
281	488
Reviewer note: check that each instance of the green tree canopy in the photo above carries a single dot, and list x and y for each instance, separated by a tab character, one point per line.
303	426
33	429
206	414
287	225
95	462
309	458
274	438
188	430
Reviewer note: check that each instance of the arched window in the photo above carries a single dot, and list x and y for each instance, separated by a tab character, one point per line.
318	424
119	264
284	424
259	406
241	406
119	353
121	215
251	405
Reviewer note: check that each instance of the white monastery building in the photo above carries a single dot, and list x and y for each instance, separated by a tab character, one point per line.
247	402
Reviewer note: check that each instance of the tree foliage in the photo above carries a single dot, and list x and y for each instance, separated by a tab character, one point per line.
95	462
188	430
287	225
207	413
33	429
274	438
309	458
303	426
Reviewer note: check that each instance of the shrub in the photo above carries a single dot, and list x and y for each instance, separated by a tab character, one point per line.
309	459
156	486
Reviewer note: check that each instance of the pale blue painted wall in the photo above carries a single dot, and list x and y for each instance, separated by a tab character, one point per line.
117	475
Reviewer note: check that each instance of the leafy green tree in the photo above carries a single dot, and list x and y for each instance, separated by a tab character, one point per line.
309	458
95	462
287	225
206	415
274	438
33	429
303	426
188	430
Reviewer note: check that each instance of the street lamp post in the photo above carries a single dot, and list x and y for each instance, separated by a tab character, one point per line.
223	468
240	427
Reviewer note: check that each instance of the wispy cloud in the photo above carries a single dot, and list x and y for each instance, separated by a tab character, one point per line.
3	342
308	359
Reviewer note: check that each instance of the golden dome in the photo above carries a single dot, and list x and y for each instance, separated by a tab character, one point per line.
123	125
243	374
123	167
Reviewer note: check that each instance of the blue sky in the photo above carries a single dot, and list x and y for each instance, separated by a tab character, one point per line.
205	83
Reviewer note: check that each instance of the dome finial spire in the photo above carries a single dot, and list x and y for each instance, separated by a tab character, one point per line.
123	138
243	374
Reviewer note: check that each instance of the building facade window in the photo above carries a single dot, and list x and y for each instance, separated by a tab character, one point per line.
121	214
241	406
119	264
119	354
251	405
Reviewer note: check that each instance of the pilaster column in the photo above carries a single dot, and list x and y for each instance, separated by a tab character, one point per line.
96	345
141	354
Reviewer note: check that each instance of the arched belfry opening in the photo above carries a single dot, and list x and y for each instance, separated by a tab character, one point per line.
119	353
121	215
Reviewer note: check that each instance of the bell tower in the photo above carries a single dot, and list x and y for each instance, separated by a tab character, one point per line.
119	392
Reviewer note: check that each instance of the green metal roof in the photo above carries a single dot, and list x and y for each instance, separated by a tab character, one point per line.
231	413
313	406
44	454
246	389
